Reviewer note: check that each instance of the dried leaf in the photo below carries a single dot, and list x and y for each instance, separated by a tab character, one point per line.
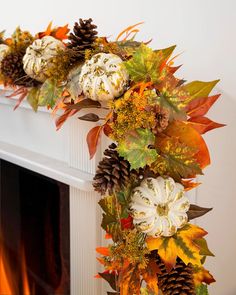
136	148
203	124
127	31
111	278
32	98
103	251
61	32
91	117
85	104
196	211
93	139
200	106
150	277
189	184
22	92
182	244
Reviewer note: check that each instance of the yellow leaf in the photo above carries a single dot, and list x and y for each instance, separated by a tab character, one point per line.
150	277
181	245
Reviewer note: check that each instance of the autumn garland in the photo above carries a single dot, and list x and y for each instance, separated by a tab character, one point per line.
156	121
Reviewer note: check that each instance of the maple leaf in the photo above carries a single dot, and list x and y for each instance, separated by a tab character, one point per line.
172	97
175	159
129	280
150	277
111	221
49	93
201	275
145	64
181	245
136	148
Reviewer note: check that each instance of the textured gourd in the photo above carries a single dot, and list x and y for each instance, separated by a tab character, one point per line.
3	50
103	77
38	57
158	206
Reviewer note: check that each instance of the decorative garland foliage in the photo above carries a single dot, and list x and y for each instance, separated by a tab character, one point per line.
157	121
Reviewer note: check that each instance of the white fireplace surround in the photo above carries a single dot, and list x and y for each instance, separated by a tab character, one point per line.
30	140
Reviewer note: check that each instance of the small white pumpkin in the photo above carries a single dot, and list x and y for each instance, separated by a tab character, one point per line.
38	55
158	206
103	77
3	50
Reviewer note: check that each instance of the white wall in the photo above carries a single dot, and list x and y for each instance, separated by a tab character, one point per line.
205	31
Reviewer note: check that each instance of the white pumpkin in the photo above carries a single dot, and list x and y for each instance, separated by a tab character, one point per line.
158	206
38	56
3	50
103	77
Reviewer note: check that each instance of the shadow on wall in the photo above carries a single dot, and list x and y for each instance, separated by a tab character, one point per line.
217	191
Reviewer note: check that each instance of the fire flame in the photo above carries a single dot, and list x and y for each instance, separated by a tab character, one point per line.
7	280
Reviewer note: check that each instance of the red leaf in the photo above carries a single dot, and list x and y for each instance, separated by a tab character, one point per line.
126	223
93	139
203	124
22	92
67	114
200	106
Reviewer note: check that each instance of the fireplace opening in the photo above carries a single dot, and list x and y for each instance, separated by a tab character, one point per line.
34	233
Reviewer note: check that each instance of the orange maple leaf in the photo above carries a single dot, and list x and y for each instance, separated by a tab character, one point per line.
180	245
201	275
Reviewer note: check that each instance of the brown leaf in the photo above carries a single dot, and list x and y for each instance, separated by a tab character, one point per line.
203	124
93	139
85	104
90	117
196	211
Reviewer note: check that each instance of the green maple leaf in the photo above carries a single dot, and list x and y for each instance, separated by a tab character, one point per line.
202	290
110	218
49	93
145	63
175	159
135	148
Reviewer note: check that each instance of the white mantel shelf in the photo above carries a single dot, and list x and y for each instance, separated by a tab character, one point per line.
46	166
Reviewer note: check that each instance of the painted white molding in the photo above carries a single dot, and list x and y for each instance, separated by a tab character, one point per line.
46	166
30	140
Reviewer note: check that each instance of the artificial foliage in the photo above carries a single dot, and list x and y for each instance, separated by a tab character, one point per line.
157	121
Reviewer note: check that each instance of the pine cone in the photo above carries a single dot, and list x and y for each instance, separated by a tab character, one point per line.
179	281
113	172
12	70
83	37
162	116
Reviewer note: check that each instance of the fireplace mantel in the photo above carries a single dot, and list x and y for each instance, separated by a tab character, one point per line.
30	140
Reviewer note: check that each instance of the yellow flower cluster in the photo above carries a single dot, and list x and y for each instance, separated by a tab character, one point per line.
130	112
130	248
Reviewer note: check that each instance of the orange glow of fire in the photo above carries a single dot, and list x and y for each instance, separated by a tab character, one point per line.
7	280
